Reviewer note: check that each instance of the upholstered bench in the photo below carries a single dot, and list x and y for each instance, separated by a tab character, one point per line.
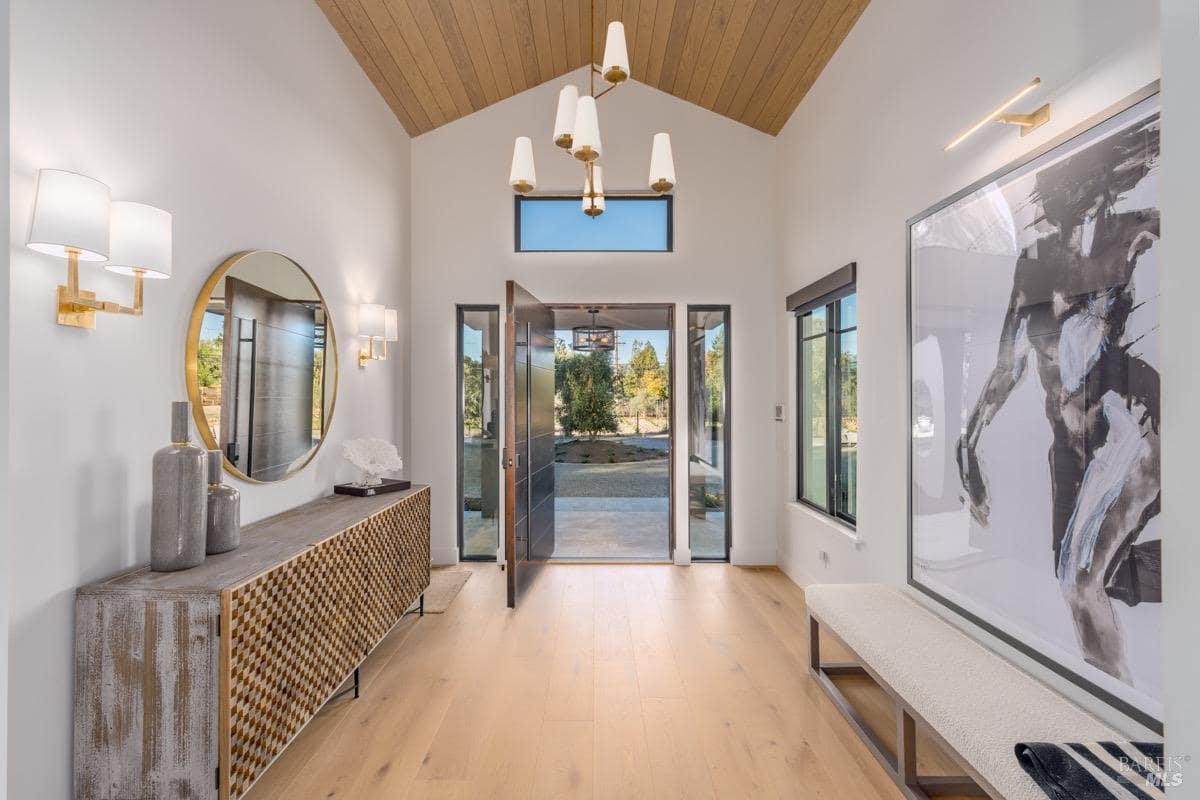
975	704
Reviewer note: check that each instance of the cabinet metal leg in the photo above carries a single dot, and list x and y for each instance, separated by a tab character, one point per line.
354	688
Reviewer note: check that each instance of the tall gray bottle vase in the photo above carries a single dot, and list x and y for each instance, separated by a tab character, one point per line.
179	506
224	508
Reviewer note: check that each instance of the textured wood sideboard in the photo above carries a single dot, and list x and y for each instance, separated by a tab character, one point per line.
189	684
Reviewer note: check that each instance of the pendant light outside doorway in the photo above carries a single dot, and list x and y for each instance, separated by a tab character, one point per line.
593	338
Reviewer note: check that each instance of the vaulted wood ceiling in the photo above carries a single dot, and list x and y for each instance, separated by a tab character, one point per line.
437	60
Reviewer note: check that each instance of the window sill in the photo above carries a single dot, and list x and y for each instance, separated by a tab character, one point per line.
836	525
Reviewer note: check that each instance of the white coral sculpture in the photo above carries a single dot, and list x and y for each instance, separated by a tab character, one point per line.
373	457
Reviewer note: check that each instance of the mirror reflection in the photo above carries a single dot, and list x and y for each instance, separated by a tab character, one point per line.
262	366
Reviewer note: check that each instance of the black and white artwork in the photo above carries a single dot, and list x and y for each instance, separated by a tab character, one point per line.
1035	407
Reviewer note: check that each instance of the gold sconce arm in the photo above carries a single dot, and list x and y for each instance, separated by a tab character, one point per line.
367	354
77	307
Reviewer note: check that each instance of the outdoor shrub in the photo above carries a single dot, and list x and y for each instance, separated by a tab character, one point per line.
584	384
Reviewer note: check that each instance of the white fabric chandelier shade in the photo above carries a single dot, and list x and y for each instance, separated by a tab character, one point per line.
593	206
70	213
587	130
593	191
594	186
140	240
662	164
564	118
523	177
616	55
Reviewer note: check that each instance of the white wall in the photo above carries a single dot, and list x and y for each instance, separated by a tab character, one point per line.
863	153
6	338
1181	380
724	253
251	123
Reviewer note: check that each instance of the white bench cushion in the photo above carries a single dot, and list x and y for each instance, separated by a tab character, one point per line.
981	704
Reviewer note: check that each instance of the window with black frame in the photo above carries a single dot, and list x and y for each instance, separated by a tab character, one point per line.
478	432
827	395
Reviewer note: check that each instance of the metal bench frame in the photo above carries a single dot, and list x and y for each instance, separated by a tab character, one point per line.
901	767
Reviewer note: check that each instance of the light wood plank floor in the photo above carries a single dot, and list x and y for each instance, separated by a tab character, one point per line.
639	681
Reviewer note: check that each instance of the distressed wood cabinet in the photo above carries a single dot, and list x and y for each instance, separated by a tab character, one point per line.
189	684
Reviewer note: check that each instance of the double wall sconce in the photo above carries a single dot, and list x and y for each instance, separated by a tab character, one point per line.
1026	122
376	324
75	217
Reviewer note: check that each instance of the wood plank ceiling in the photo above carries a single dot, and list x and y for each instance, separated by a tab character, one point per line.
437	60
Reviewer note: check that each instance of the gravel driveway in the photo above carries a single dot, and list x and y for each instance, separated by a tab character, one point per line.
639	479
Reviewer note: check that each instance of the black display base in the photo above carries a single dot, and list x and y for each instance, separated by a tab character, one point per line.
388	485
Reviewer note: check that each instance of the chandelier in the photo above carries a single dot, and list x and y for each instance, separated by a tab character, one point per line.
592	338
577	129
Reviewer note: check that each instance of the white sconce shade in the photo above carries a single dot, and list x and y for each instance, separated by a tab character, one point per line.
371	321
586	141
71	212
141	240
616	55
391	326
523	177
564	118
662	164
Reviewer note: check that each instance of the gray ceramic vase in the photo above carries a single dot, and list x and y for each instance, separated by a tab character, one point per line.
224	508
179	506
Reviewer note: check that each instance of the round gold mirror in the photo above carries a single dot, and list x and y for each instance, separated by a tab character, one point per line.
262	365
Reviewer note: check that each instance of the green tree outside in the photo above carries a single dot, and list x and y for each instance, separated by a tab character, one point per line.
645	372
848	372
584	384
208	361
472	388
318	411
714	378
641	405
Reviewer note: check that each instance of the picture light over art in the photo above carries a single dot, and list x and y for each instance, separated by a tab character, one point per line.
1026	122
